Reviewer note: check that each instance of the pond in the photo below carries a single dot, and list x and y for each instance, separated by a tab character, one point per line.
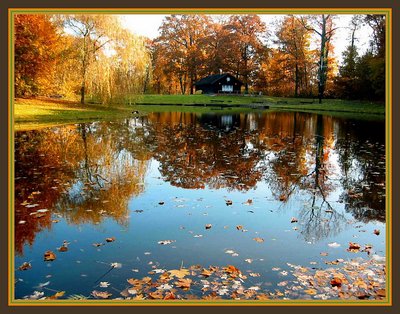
171	205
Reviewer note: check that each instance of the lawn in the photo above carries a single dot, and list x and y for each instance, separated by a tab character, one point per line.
337	105
42	112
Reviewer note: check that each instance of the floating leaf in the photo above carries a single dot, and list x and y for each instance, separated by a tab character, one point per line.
377	232
353	247
183	283
156	295
97	244
170	296
336	282
101	294
179	273
254	274
57	295
116	265
208	226
311	291
228	202
49	256
161	203
25	266
206	272
104	284
110	239
259	240
63	248
239	227
293	220
165	242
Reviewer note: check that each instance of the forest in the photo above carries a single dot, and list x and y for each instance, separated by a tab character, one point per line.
94	59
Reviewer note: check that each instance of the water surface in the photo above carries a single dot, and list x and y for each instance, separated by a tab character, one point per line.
302	183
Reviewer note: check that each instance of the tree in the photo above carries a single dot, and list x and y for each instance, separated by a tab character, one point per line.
346	82
36	48
245	33
294	41
94	33
325	30
181	43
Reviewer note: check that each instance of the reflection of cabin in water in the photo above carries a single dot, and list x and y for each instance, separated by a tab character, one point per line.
219	83
220	122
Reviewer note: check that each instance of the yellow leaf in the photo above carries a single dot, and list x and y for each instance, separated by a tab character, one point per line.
179	273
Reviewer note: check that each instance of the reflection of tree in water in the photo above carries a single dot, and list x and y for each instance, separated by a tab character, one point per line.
193	156
362	163
301	165
81	172
89	172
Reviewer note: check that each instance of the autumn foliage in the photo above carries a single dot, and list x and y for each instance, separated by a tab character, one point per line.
94	59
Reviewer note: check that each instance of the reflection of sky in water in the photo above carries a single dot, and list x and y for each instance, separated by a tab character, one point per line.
182	218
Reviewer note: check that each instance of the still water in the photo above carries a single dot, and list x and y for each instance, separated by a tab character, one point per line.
278	189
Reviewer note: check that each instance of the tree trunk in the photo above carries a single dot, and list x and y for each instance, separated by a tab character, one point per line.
296	81
83	95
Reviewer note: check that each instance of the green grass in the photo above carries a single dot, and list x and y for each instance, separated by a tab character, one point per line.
44	112
291	103
36	113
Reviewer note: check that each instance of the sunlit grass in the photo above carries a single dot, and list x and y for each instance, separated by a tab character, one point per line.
44	112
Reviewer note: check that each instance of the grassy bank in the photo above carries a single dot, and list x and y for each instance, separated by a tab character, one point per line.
35	113
43	112
298	104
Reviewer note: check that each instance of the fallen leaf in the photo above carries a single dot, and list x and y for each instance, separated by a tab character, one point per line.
58	294
49	256
25	266
208	226
262	296
336	282
101	294
179	273
282	197
239	227
311	291
161	203
377	232
116	265
259	240
206	272
228	202
254	274
353	247
169	296
97	244
63	248
156	295
248	202
165	242
110	239
183	283
293	220
104	284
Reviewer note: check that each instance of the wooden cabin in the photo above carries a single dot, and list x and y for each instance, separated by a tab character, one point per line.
219	83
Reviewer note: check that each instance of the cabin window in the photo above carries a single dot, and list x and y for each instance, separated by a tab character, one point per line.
227	88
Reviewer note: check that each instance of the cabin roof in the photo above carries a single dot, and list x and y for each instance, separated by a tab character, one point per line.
212	79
